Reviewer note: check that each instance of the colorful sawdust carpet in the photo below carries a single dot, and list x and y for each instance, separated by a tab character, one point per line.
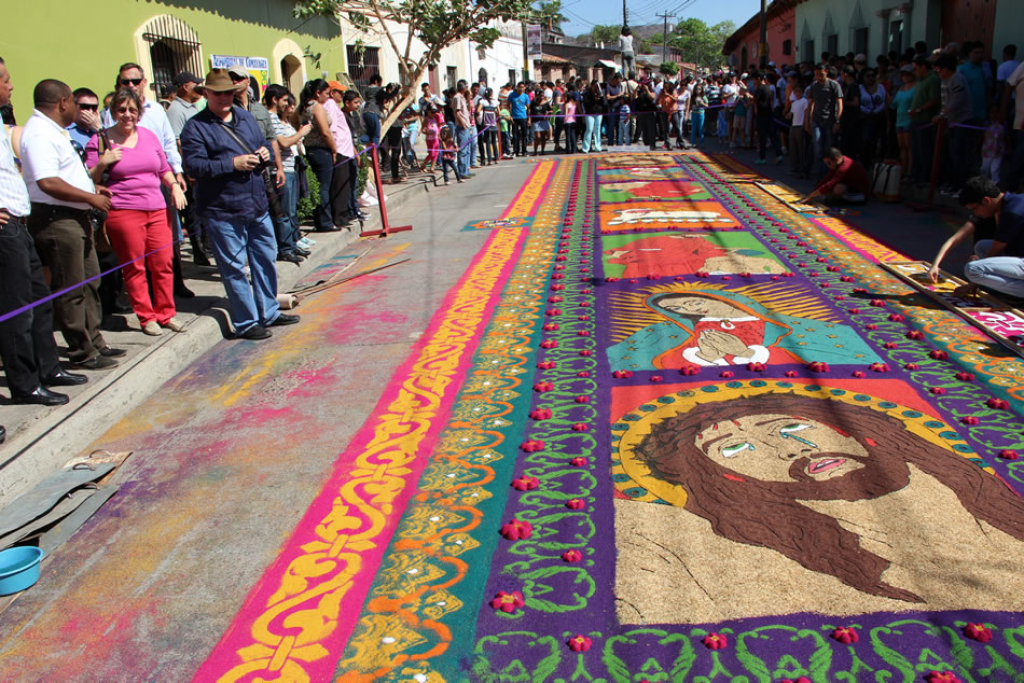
719	443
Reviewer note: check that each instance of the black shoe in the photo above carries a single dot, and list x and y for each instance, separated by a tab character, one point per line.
122	309
111	352
40	397
63	378
100	362
201	259
184	292
301	252
255	332
290	257
3	434
284	319
362	216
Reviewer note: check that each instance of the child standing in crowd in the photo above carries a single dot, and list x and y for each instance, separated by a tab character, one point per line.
994	145
698	103
448	154
797	135
624	118
505	121
540	112
433	120
570	120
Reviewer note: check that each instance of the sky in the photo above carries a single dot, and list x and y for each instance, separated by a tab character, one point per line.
583	14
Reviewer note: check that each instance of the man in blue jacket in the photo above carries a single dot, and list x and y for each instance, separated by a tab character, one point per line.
225	151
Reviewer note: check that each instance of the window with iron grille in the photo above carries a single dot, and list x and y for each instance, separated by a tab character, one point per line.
452	77
363	65
173	47
787	47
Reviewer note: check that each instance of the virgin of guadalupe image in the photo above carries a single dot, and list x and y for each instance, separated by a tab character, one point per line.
719	328
784	503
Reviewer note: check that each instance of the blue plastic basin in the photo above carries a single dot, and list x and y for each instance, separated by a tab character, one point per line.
19	568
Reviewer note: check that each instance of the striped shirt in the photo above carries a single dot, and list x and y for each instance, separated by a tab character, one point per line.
13	193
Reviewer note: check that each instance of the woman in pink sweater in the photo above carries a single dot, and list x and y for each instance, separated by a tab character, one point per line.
132	166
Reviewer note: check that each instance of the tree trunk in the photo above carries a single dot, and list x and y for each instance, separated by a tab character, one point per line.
408	83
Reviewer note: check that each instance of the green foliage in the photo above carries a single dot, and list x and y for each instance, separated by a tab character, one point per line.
307	205
669	68
701	44
550	13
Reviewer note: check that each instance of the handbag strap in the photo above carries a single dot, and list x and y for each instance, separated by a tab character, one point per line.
246	149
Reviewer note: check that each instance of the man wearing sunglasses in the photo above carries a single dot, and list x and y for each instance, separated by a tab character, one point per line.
87	118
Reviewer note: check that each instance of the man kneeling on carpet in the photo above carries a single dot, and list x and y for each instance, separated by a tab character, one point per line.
845	183
998	263
224	149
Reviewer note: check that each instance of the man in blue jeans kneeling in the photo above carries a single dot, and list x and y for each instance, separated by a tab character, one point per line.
999	262
224	150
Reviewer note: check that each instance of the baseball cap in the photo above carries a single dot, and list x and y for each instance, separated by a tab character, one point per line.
860	58
185	77
335	85
238	71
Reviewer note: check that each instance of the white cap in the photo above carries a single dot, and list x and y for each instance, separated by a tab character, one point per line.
771	64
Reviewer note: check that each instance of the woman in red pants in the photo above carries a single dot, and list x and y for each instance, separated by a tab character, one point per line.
132	165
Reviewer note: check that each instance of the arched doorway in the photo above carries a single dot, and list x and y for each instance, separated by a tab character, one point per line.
291	74
166	46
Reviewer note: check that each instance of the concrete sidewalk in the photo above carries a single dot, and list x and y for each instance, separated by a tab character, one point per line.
40	440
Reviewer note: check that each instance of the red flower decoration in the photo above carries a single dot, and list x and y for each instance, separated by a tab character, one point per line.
941	677
702	274
775	277
583	317
578	462
508	602
818	366
557	288
839	297
715	641
802	679
832	269
854	311
549	344
561	258
938	391
656	378
585	291
572	556
938	355
541	387
541	414
965	376
871	326
689	370
997	404
847	278
554	299
611	279
547	365
653	276
915	334
895	317
879	367
978	632
860	290
1008	455
891	345
744	274
858	373
582	399
559	267
813	273
584	303
824	285
970	420
726	373
911	366
792	373
553	312
586	352
845	635
580	427
583	373
531	446
550	327
558	276
517	530
756	367
622	374
579	643
789	275
525	483
575	504
582	333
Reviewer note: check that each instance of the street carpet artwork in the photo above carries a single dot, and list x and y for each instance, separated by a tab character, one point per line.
673	454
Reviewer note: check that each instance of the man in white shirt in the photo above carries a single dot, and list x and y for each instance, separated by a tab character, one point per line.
1006	67
797	135
27	348
62	195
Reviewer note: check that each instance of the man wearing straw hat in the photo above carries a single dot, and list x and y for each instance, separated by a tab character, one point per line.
226	152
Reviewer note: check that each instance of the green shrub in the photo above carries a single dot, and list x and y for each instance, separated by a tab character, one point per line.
308	204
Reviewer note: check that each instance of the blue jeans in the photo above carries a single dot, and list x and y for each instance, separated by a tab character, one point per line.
474	144
612	122
1001	273
371	123
235	242
322	163
697	124
287	227
464	140
821	135
593	129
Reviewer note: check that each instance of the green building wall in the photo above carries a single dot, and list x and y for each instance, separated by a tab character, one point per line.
83	43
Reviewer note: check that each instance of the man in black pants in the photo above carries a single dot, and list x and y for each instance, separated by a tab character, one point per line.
27	347
764	106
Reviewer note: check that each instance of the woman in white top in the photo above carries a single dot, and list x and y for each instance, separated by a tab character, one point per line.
626	48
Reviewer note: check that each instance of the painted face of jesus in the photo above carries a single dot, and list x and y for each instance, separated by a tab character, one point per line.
765	446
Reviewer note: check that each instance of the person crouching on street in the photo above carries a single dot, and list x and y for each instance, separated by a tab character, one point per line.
225	151
129	160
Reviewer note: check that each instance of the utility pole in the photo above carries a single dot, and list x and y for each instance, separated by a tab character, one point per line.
625	17
762	48
664	35
526	54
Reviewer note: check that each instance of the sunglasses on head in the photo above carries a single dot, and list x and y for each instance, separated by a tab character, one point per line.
131	81
89	107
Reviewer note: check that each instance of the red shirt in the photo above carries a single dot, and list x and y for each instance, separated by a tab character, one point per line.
849	172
